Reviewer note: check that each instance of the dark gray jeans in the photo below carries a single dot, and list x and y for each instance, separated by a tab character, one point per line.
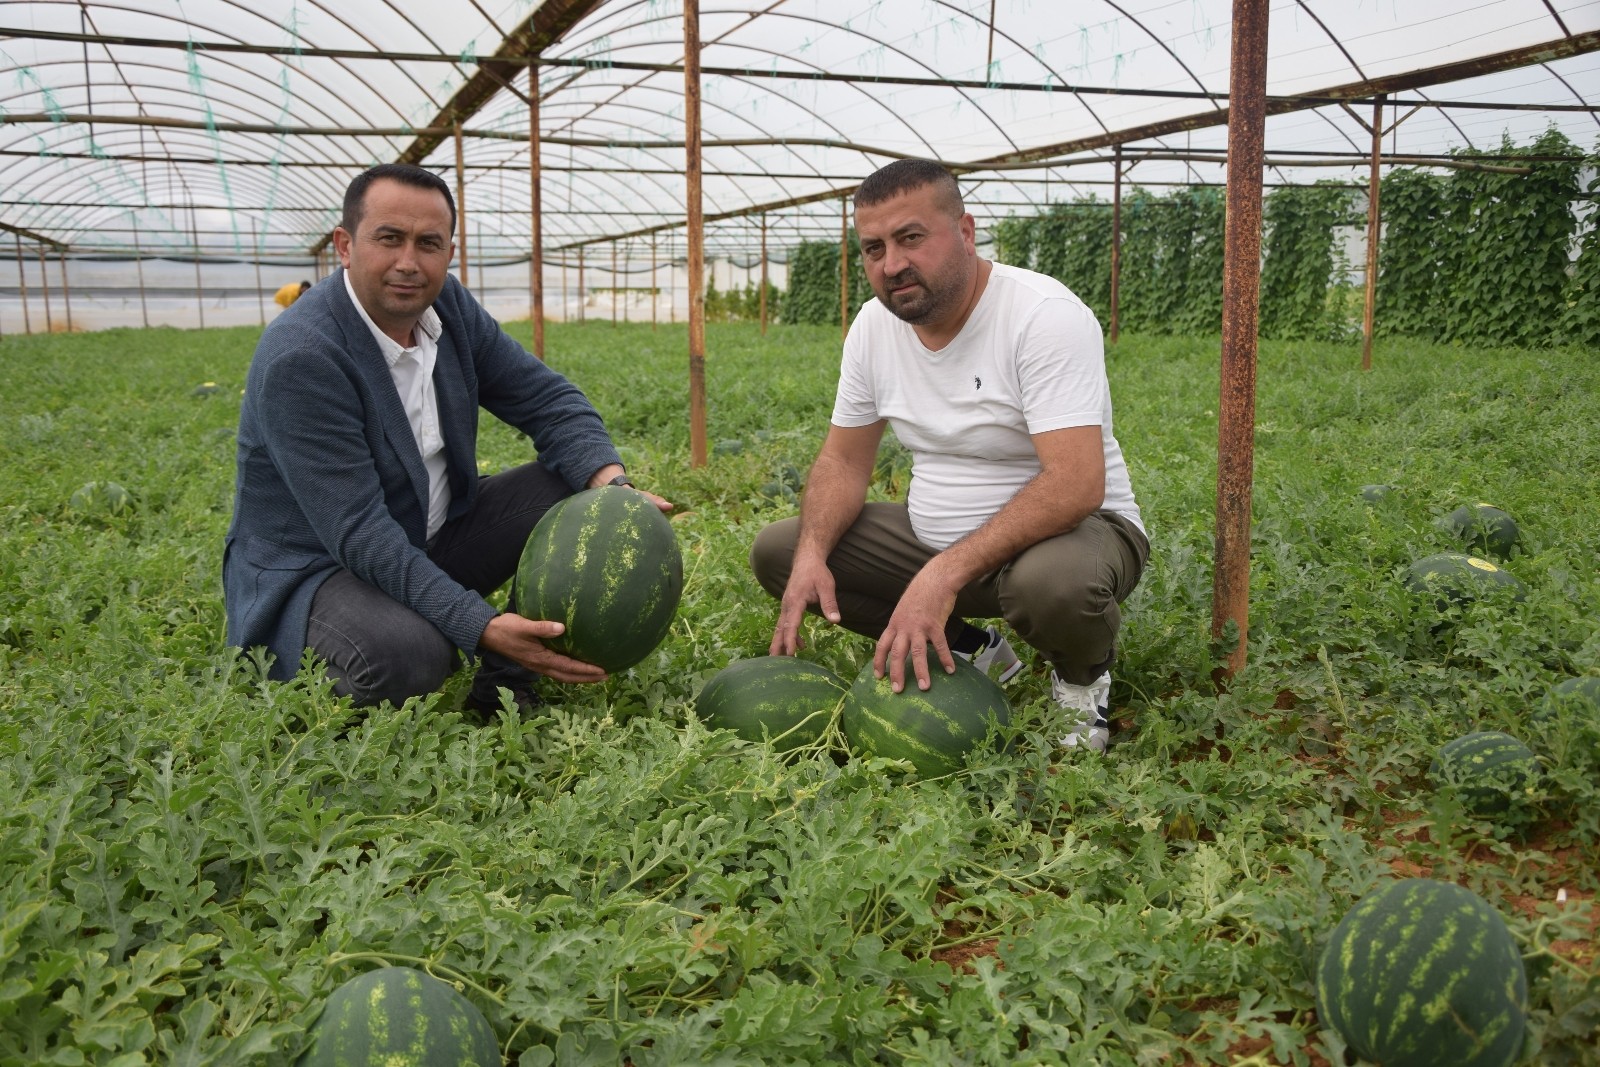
379	649
1061	595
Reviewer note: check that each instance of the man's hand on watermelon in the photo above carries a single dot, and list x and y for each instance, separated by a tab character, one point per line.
521	641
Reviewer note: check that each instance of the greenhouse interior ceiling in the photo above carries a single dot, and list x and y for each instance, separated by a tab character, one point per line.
232	129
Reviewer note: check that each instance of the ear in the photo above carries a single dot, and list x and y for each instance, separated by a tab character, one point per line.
342	241
969	233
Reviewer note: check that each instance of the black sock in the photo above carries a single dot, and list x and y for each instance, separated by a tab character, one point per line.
969	640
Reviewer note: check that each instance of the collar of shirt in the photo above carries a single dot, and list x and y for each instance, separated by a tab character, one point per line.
393	351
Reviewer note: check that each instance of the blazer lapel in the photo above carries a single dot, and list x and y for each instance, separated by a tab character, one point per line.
457	421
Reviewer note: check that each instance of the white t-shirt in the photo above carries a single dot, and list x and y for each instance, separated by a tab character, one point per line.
1029	359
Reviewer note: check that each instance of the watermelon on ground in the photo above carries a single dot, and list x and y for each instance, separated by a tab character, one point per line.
1454	578
100	500
933	730
400	1017
1483	528
1376	494
605	563
780	699
1422	973
1581	696
1486	770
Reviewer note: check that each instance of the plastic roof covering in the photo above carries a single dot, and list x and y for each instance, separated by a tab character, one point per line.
612	138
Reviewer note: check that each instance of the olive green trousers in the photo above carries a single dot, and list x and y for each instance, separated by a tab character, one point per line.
1062	596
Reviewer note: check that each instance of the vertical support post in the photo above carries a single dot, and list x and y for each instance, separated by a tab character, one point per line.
1241	290
22	285
461	206
536	205
66	287
199	285
583	294
1116	244
763	274
613	285
654	292
261	296
44	285
695	235
844	268
138	264
1373	185
564	288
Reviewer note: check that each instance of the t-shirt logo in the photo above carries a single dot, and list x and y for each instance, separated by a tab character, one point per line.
977	382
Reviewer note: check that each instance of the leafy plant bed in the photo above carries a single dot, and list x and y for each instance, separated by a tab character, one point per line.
194	858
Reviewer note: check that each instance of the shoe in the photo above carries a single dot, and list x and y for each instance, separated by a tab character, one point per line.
997	653
1085	707
485	698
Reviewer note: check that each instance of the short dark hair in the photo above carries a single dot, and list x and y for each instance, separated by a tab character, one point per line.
404	173
304	286
905	175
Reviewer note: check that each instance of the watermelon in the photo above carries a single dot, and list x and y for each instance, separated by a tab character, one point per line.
1578	696
100	499
778	698
1423	973
605	563
1453	578
933	730
1376	494
1486	770
400	1017
1482	527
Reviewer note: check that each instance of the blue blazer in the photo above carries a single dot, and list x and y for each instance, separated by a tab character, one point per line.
329	474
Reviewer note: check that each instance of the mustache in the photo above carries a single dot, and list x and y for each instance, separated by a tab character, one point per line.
907	276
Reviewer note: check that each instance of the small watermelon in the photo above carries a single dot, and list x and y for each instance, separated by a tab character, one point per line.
206	389
400	1017
1423	973
99	500
1488	771
1376	494
1577	696
1453	578
1483	528
778	698
605	563
933	730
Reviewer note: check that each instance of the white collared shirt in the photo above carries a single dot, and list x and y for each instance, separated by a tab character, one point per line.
412	371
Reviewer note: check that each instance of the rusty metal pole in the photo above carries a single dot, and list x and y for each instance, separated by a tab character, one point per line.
66	288
654	292
261	296
1116	243
613	285
1241	288
695	234
44	286
138	264
564	290
763	274
844	268
583	294
461	206
199	284
1373	186
536	206
22	285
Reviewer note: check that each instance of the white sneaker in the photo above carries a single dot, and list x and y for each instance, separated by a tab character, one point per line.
1085	707
996	654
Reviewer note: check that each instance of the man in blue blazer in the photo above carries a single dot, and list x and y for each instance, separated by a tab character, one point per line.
362	531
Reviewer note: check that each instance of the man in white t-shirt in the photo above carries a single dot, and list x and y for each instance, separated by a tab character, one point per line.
1020	505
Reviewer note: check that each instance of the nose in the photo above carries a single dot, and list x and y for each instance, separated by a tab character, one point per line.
893	261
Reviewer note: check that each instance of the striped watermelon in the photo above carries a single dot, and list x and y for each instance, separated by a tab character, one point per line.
1455	578
1486	770
1484	528
604	562
1424	974
1579	696
932	730
400	1017
780	698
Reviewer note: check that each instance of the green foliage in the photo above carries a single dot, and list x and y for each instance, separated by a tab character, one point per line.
813	295
1409	251
1071	242
192	857
1300	262
740	304
1580	319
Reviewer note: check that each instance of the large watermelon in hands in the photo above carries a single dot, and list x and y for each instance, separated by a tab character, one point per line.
934	730
400	1017
604	563
1424	974
780	699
